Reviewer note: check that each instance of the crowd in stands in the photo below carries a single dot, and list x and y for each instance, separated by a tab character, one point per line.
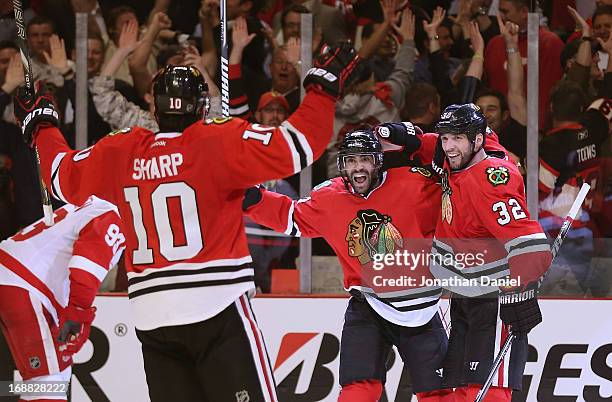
421	56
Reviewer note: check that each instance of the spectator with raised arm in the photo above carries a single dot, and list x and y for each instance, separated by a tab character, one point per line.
11	76
435	64
140	62
370	102
581	61
379	43
508	118
550	47
115	109
473	11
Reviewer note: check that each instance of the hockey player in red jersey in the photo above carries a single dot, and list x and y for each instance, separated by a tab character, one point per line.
484	210
366	215
179	193
49	276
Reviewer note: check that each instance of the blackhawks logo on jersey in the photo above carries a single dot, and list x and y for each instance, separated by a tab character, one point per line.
498	175
447	206
372	233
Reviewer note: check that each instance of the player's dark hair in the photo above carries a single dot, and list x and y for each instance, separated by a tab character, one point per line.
418	98
503	103
567	101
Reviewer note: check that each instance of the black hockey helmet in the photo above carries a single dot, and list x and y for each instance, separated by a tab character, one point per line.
181	97
360	142
463	119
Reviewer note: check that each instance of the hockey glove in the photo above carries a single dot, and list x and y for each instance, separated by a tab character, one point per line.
520	310
336	68
252	196
36	112
401	136
75	324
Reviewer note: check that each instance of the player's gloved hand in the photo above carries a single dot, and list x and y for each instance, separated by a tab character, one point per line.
33	113
252	196
75	324
335	69
519	309
402	136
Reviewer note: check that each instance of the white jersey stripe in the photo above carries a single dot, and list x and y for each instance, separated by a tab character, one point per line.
266	356
45	335
302	140
295	156
55	180
257	352
87	265
196	265
214	276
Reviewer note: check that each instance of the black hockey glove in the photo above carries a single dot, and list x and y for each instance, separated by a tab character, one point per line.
252	196
335	69
520	310
399	136
33	113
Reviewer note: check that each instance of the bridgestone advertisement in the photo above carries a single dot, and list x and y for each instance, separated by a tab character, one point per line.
570	355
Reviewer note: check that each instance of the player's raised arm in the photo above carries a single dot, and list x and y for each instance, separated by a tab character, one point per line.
263	153
278	212
71	176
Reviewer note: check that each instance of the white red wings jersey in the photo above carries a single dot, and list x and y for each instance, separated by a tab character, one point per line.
485	230
64	263
399	215
180	197
570	155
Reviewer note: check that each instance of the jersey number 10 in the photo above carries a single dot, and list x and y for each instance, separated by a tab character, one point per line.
159	203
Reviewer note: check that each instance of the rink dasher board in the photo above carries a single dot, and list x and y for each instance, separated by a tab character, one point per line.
573	346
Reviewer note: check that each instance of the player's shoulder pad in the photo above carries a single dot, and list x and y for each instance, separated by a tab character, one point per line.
97	206
319	186
327	188
423	171
217	120
121	131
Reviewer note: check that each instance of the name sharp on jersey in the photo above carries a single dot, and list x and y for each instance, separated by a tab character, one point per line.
157	167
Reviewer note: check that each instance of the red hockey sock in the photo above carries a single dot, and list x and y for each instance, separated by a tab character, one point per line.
361	391
440	395
494	394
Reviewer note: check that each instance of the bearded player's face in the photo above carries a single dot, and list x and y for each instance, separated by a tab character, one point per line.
458	149
360	170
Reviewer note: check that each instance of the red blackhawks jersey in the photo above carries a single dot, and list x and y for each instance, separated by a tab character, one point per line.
485	232
180	195
396	220
66	262
570	155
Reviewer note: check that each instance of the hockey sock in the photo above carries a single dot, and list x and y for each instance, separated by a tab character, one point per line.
494	394
440	395
361	391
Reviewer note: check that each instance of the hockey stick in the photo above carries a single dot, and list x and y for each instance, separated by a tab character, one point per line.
224	61
565	227
22	43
